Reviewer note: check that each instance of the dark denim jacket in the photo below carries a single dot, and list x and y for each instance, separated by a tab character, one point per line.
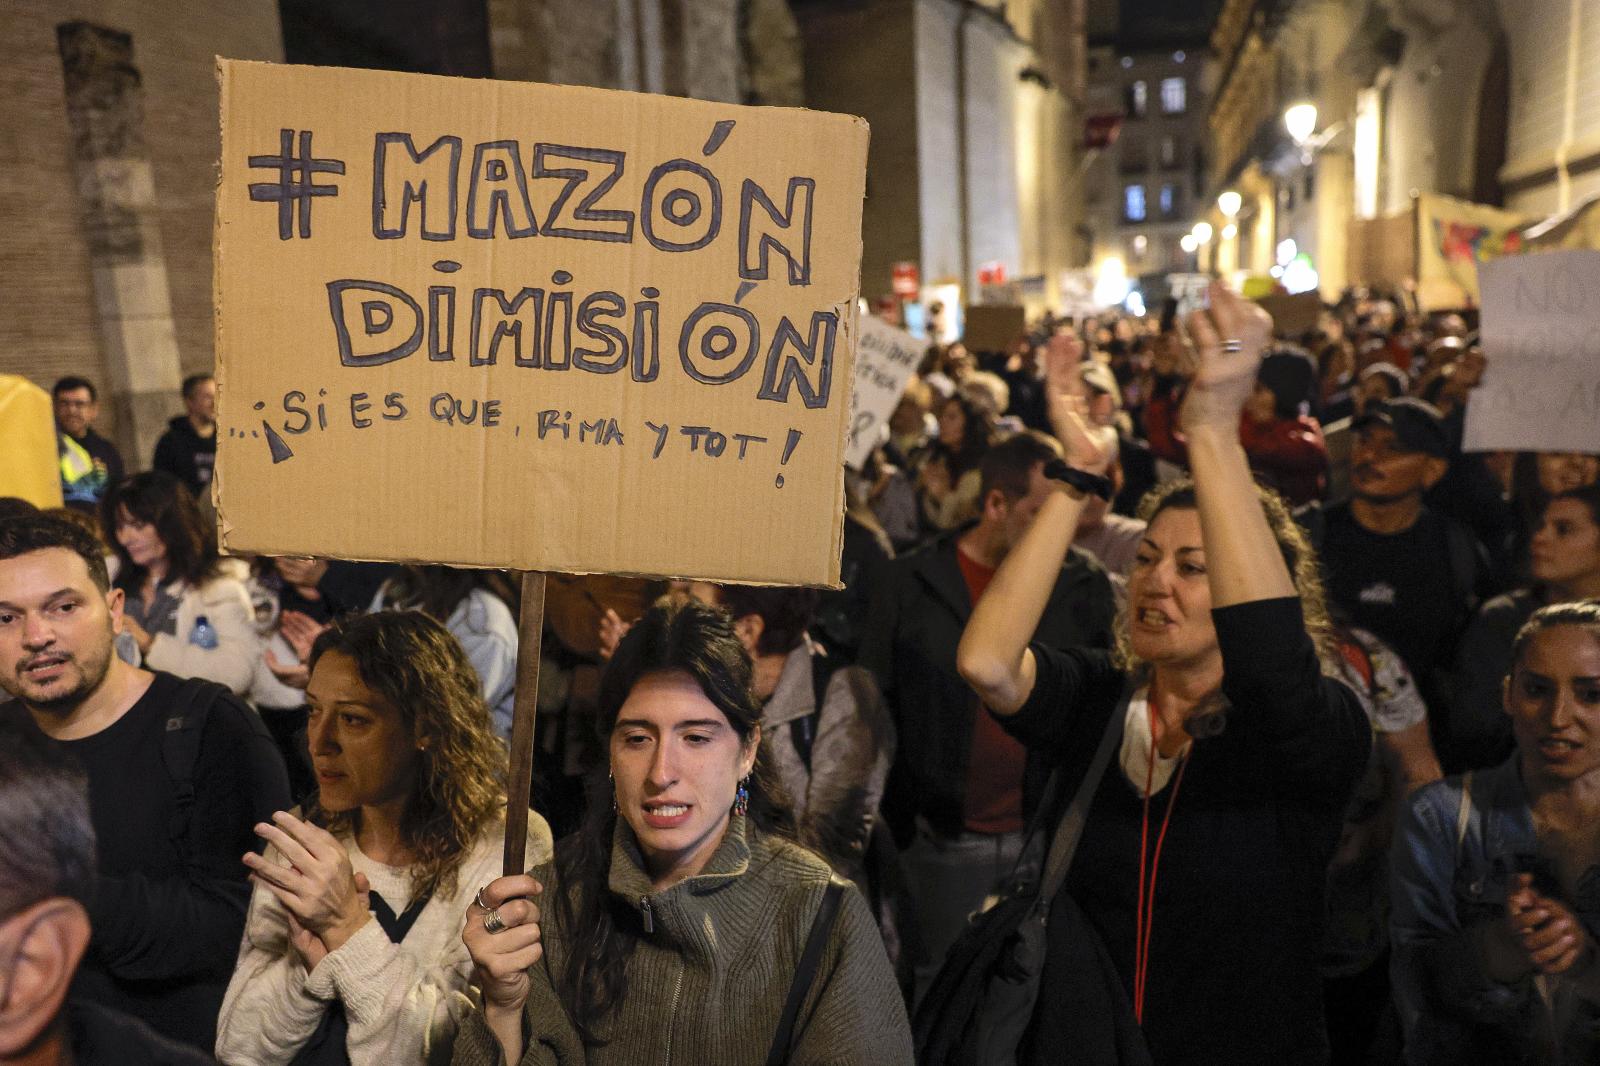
1451	1010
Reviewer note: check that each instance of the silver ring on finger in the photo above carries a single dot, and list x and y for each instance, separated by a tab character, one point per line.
1231	345
478	899
493	922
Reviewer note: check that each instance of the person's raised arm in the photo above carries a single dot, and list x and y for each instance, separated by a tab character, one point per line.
1243	562
993	655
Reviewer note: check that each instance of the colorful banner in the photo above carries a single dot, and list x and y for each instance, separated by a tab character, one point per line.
1453	238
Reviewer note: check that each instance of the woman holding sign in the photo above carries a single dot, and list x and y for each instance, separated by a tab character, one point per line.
351	951
680	922
1230	750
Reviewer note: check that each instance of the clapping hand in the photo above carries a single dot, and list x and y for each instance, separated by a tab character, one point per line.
307	945
1089	448
1551	936
611	631
1229	340
300	631
318	888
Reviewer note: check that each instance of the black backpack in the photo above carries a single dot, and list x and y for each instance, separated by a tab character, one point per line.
180	750
979	1010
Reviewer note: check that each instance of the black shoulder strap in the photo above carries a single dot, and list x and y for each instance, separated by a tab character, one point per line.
1462	554
803	731
180	750
805	974
1065	842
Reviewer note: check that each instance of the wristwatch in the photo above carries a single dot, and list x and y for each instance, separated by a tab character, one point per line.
1082	480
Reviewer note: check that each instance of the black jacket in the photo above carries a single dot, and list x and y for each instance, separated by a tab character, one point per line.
918	612
1238	909
186	455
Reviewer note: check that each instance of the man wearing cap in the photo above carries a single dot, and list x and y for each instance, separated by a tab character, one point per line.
1379	382
1406	573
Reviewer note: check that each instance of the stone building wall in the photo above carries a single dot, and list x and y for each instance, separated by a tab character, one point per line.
49	321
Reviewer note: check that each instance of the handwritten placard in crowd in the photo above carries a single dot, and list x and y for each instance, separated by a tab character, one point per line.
546	328
1540	330
885	360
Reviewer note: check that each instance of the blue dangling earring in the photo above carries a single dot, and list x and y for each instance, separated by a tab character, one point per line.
741	798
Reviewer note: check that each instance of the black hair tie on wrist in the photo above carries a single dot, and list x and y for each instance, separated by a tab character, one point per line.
1082	480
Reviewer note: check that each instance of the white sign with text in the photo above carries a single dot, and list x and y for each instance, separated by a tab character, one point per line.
1541	343
885	360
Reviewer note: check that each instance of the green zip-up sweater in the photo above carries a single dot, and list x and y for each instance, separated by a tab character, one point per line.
707	982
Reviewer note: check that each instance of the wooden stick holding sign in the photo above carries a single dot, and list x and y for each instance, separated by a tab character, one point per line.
519	782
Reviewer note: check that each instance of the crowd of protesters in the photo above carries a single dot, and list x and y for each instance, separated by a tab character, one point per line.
1232	602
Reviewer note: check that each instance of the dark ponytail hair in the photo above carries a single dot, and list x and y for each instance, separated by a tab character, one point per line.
598	933
1584	614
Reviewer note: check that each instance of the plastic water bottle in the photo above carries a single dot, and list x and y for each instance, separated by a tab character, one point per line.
203	634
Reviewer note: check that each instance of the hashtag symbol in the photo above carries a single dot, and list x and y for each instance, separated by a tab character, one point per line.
287	192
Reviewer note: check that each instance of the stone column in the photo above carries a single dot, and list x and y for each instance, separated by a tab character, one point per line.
116	191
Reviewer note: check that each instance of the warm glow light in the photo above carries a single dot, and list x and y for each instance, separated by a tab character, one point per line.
1202	232
1229	203
1301	120
1287	250
1365	151
1188	243
1111	282
1300	276
1229	232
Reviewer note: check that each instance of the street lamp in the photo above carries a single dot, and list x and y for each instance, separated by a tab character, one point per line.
1229	203
1188	243
1201	232
1230	231
1301	121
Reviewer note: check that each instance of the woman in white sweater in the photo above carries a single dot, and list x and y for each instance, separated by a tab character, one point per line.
187	609
352	950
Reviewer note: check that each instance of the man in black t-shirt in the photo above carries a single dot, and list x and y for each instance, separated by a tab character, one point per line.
179	773
46	875
188	449
1396	568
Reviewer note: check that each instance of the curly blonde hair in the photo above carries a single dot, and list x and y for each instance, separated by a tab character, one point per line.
418	666
1298	555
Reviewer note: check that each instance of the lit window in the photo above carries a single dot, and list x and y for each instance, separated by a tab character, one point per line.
1174	95
1169	200
1138	99
1133	203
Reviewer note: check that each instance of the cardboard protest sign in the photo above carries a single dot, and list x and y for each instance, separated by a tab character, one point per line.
512	325
993	327
885	360
1294	314
1541	341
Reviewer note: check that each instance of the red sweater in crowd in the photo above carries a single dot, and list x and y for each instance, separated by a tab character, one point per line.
1287	453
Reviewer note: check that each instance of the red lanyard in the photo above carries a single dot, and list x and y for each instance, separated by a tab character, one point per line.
1147	893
